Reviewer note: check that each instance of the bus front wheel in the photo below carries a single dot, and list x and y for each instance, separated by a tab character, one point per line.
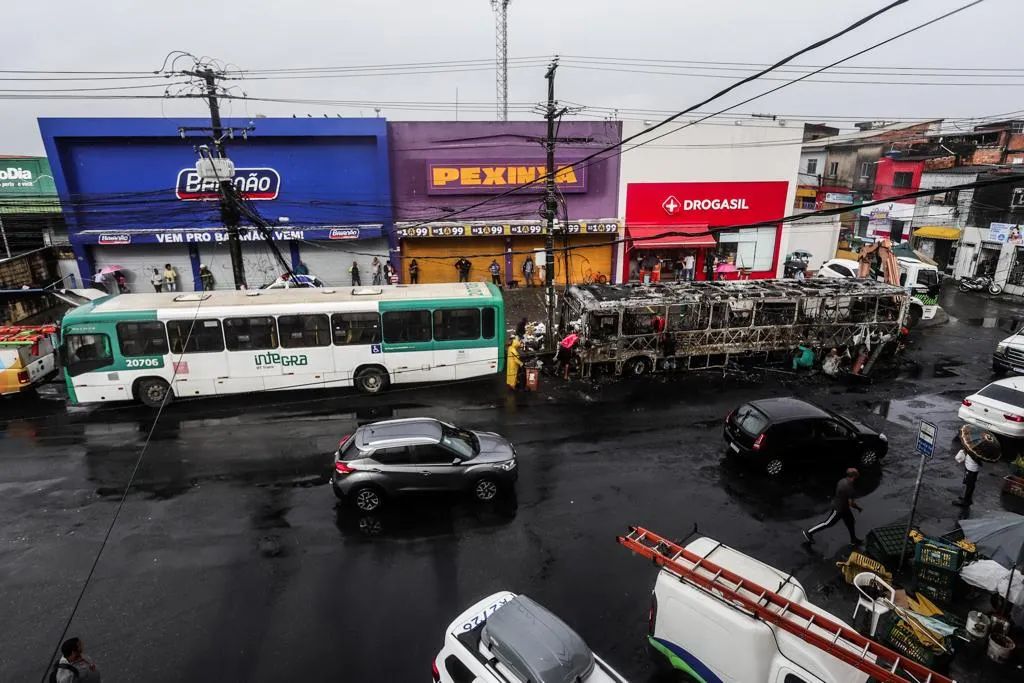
153	392
371	380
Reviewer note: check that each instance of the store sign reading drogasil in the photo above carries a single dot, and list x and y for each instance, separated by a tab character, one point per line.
495	176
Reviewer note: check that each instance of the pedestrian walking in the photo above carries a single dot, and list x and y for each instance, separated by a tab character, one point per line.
463	265
495	270
375	272
73	666
122	283
528	269
414	272
972	468
157	281
842	508
301	269
354	272
688	263
514	365
389	273
710	261
206	279
99	281
170	278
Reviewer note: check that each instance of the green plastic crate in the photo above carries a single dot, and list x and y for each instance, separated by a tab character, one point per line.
939	554
933	576
899	637
885	543
936	594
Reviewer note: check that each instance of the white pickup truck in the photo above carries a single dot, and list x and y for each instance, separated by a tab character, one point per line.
920	279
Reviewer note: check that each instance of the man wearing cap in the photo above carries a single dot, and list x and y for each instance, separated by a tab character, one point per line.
842	508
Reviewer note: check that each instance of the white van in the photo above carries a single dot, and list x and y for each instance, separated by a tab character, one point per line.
715	641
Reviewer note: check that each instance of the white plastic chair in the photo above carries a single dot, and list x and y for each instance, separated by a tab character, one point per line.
876	606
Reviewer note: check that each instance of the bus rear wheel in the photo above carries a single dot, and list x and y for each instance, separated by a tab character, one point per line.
371	380
153	392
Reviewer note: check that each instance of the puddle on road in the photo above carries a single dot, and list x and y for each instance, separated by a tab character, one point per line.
910	411
994	322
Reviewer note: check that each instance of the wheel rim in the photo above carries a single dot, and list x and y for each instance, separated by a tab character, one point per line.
367	500
156	392
775	467
636	367
869	458
371	381
486	489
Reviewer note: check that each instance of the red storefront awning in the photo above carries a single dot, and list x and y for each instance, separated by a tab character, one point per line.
644	237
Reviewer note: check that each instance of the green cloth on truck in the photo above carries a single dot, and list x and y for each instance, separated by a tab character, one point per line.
805	359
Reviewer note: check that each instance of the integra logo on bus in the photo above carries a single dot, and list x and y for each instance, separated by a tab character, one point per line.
251	183
272	359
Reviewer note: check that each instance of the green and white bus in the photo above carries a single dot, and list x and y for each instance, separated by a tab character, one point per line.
143	346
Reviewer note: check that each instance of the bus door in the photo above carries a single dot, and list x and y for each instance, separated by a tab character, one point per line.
357	343
306	358
408	346
252	354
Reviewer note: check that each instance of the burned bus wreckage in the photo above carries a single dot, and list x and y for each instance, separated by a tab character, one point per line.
636	329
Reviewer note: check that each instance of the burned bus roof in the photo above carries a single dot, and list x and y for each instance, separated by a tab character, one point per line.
667	293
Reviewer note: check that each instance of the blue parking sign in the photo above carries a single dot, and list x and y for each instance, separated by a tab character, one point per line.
926	439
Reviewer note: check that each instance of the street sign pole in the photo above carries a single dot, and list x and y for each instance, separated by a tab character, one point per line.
926	447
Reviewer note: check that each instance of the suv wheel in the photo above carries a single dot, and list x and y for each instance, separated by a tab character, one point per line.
367	499
774	467
636	366
869	458
485	489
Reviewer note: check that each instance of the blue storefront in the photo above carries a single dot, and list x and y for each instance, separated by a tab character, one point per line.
131	197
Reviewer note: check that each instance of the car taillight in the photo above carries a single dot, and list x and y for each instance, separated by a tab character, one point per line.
652	615
23	377
344	440
342	467
967	402
758	442
1014	418
434	672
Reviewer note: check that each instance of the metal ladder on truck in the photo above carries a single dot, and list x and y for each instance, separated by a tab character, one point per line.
834	638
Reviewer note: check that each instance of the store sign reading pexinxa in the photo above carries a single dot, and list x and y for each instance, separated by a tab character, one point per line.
251	183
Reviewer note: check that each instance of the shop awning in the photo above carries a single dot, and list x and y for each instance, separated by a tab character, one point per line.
644	237
937	232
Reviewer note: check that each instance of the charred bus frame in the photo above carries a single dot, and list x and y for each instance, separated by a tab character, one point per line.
707	324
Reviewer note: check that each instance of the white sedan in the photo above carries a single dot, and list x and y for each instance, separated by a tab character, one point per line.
999	408
839	267
509	638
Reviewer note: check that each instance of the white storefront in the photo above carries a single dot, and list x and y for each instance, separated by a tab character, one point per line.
742	151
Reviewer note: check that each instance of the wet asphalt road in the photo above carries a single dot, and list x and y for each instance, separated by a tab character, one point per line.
231	561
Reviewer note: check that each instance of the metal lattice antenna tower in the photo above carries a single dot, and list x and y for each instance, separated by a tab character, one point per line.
500	8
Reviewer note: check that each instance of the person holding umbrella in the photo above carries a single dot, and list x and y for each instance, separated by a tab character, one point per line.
979	446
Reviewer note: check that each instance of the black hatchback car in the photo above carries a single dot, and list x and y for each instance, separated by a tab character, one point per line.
774	434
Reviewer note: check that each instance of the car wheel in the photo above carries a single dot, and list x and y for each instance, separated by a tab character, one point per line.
869	458
774	467
371	380
153	392
994	288
367	499
485	489
636	367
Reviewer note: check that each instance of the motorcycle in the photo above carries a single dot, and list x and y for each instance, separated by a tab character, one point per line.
979	283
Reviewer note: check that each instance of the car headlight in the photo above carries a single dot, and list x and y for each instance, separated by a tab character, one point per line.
883	437
1000	349
508	465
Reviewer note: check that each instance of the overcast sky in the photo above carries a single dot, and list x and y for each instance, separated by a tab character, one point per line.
135	35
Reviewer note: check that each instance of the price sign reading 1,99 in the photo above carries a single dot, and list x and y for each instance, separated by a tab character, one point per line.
602	227
525	229
486	230
413	232
448	231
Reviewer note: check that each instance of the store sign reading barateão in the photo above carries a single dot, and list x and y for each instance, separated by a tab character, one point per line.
479	177
251	183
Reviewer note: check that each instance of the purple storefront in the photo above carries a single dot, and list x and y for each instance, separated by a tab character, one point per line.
446	178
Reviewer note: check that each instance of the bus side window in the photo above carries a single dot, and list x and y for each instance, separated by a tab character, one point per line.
356	328
204	336
487	321
458	324
250	334
86	352
142	338
303	330
406	326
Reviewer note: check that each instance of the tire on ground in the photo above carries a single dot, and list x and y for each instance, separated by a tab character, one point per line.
637	366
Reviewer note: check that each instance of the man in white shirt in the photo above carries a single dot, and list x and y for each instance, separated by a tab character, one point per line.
688	262
971	470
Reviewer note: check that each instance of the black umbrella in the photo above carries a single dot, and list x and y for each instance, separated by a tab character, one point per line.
980	444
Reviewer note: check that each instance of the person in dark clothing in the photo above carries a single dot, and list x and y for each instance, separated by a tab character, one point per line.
354	271
414	272
521	329
842	508
710	261
463	265
495	271
301	269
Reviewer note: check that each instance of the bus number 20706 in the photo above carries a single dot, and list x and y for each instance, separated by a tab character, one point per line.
143	362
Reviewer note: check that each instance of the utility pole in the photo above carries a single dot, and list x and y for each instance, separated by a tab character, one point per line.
500	8
551	113
229	213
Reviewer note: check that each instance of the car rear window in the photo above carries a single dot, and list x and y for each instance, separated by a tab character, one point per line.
750	419
1003	394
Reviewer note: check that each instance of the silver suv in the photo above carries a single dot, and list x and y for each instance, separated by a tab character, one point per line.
420	454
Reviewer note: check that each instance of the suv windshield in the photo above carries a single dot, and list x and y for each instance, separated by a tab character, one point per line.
461	441
928	278
750	419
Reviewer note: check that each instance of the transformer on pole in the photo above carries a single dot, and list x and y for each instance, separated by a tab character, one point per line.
500	8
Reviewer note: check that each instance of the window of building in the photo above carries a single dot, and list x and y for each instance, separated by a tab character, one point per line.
865	169
250	334
86	352
459	324
304	330
142	339
203	336
808	203
903	179
812	166
752	248
356	328
487	321
1017	127
401	327
950	198
1017	200
833	169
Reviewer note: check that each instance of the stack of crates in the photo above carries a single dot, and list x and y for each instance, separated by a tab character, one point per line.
885	543
899	636
937	563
